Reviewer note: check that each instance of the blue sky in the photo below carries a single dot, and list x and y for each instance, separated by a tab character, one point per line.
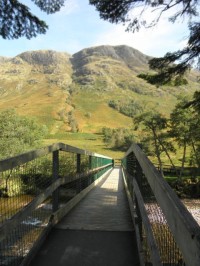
78	26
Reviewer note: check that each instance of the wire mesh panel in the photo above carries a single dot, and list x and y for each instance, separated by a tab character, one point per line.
67	169
35	185
77	169
193	206
168	250
20	240
170	254
19	186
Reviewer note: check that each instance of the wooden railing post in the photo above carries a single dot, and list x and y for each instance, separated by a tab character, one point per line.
78	171
113	163
78	164
90	162
90	168
55	196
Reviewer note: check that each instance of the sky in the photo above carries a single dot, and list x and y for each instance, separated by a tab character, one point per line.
78	25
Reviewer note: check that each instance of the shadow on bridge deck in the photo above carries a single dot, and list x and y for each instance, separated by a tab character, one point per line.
97	232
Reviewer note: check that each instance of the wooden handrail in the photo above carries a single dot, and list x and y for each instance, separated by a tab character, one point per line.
23	158
185	229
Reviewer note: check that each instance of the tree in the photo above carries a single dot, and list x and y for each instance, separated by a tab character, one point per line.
185	129
122	11
17	21
18	134
154	124
195	102
187	57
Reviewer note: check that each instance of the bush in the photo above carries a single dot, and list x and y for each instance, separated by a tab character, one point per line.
128	107
118	138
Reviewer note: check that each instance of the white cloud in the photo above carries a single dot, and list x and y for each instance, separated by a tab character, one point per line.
155	41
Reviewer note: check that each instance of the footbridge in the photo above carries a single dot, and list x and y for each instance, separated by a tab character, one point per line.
61	205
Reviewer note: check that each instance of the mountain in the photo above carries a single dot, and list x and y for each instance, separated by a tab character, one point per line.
78	92
124	54
105	63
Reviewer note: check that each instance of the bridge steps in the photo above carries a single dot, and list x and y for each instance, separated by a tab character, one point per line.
97	232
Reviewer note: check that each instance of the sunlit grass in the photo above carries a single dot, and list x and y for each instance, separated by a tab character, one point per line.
87	141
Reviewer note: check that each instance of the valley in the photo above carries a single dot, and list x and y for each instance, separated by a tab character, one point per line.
70	94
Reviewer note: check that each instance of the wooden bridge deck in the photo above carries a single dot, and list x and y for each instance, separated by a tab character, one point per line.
97	232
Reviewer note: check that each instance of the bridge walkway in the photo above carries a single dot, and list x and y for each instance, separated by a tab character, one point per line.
97	232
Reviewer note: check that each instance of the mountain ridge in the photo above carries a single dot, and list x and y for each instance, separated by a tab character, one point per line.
44	57
102	50
72	92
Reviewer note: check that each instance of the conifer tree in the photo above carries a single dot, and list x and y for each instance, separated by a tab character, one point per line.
125	11
17	21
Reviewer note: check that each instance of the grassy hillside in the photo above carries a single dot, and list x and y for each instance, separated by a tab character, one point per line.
72	93
35	89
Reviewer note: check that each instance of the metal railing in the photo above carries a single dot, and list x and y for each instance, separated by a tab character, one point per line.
37	189
166	232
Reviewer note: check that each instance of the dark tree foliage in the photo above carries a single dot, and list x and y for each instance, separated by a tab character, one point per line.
120	11
17	21
161	78
113	11
186	56
49	6
195	102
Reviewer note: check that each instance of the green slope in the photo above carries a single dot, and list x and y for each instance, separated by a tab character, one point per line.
61	91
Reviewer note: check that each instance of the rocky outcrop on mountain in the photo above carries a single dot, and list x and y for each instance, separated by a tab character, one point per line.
129	56
45	58
132	57
108	66
4	59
